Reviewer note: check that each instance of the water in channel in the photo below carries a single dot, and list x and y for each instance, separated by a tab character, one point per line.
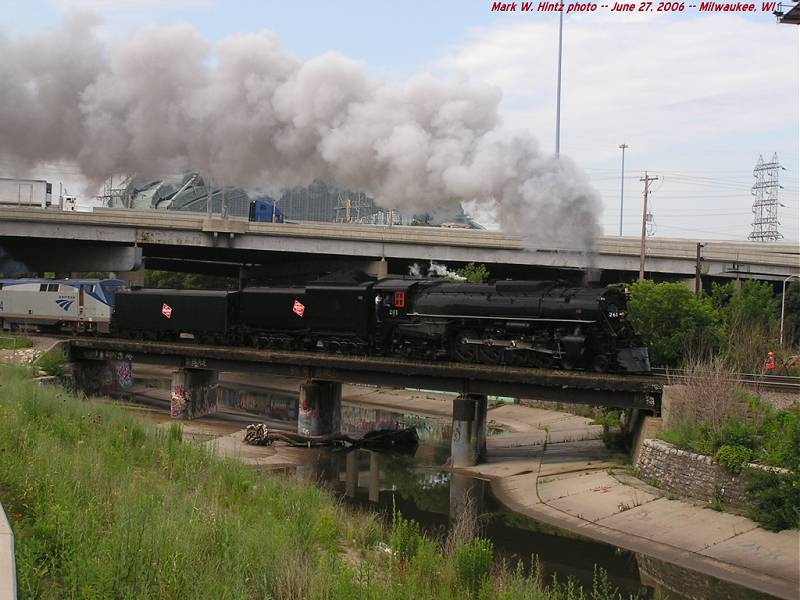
421	489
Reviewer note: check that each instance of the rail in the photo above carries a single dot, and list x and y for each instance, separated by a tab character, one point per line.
773	382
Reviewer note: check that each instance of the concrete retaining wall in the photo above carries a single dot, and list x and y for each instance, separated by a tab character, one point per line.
689	475
8	573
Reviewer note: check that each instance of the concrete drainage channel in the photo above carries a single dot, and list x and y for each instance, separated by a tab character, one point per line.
8	573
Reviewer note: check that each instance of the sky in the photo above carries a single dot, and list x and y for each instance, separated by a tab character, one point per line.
697	97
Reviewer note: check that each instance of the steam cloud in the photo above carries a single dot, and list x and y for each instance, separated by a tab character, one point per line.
251	114
433	269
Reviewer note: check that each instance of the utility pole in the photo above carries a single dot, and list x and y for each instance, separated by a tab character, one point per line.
698	284
622	188
647	179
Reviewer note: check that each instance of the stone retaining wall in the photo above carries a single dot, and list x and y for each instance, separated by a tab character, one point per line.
690	475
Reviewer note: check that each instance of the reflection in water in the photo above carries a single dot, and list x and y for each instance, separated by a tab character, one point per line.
419	488
440	500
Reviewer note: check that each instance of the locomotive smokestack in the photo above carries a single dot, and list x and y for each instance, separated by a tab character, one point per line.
249	113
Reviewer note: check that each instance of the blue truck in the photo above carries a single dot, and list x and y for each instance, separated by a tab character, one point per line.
265	211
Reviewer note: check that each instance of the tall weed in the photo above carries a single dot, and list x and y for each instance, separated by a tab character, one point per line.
105	506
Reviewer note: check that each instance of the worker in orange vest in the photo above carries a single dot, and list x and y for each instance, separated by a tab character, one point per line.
769	365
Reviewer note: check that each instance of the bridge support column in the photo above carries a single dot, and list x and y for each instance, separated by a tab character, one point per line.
102	377
468	446
320	410
374	478
466	499
351	474
194	393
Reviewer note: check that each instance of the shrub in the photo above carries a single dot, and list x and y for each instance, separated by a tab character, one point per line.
775	499
737	432
474	565
405	536
733	457
781	439
53	363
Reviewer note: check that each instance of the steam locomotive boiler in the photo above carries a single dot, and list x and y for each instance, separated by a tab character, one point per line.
542	324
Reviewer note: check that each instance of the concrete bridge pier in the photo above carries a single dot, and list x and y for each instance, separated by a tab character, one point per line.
351	474
374	478
193	393
320	409
102	377
466	503
468	445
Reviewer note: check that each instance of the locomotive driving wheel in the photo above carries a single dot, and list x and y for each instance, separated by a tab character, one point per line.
464	351
600	363
491	355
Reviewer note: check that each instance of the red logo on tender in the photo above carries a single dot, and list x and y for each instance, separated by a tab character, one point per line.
166	310
298	308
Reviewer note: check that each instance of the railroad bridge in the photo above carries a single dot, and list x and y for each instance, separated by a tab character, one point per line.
197	367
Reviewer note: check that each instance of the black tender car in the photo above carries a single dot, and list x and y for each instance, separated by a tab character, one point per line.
165	314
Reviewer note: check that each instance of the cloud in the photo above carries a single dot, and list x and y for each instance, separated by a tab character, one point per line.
693	96
674	80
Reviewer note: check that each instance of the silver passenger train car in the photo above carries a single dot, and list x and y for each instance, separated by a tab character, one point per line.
58	304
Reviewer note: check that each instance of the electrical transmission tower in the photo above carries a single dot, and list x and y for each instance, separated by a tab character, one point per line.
765	205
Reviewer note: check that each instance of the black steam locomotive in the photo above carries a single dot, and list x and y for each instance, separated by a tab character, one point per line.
543	324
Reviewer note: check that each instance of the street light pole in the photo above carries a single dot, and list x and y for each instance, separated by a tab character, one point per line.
783	304
622	188
558	87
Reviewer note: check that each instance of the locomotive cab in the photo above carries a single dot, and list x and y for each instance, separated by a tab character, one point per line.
631	355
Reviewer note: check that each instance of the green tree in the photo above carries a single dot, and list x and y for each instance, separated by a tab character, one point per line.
752	303
750	315
673	322
187	281
791	311
474	273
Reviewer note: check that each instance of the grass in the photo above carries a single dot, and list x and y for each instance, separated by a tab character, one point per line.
105	506
53	363
9	343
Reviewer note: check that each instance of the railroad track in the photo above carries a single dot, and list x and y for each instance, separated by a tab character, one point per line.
773	382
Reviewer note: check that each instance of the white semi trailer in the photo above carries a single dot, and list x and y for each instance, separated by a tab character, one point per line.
25	192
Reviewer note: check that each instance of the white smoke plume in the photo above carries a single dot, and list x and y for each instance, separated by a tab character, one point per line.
251	114
433	269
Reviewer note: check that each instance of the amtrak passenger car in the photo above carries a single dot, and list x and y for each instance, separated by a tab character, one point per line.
58	304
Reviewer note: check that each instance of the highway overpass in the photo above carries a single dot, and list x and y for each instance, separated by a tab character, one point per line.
118	240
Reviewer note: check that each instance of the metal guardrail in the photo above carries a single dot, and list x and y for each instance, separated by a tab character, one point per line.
8	570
